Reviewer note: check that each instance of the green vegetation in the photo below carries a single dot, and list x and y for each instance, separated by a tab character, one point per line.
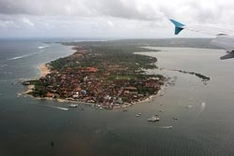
137	45
203	77
103	56
106	74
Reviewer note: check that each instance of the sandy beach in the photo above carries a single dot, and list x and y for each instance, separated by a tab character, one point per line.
44	70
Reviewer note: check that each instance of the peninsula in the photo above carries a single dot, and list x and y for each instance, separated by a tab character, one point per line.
107	76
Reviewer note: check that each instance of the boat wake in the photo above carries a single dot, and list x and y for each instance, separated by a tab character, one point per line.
203	107
163	127
57	107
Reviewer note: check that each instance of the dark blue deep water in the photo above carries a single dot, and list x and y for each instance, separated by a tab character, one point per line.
205	113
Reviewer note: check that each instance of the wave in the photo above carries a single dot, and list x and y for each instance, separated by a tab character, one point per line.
26	55
42	47
19	57
3	65
23	56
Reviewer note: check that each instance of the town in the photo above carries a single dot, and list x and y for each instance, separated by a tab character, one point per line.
105	77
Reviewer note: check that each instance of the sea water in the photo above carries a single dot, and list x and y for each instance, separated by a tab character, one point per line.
205	112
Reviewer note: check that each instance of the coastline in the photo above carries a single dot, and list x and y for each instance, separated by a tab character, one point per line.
116	107
44	70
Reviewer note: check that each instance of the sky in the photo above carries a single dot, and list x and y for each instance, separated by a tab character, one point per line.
110	18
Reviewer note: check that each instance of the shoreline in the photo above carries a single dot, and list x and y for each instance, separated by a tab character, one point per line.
44	70
116	107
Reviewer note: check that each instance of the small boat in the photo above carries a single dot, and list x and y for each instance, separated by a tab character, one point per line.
175	118
161	110
189	106
153	119
138	114
73	105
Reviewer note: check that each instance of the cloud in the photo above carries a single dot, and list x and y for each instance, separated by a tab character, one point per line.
111	24
27	21
6	24
127	9
203	11
106	17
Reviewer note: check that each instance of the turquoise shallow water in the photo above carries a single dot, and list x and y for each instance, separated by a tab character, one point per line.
28	126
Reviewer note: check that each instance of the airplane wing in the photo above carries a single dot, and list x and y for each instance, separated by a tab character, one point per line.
224	38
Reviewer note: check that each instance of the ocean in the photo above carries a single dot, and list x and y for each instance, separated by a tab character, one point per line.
195	118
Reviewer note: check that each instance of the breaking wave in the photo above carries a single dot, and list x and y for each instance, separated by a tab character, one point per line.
42	47
23	56
19	57
27	55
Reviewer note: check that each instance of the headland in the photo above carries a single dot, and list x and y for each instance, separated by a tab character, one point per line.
106	76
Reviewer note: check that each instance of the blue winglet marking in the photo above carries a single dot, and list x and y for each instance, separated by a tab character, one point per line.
176	23
178	26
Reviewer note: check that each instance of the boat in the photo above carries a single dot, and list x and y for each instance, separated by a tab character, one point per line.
161	110
189	106
73	105
153	119
138	114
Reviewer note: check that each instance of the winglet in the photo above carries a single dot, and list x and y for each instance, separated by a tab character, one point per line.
227	56
178	26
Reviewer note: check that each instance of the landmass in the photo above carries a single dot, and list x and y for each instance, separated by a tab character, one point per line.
106	76
199	75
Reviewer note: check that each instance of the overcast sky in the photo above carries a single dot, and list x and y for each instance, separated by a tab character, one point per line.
110	18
